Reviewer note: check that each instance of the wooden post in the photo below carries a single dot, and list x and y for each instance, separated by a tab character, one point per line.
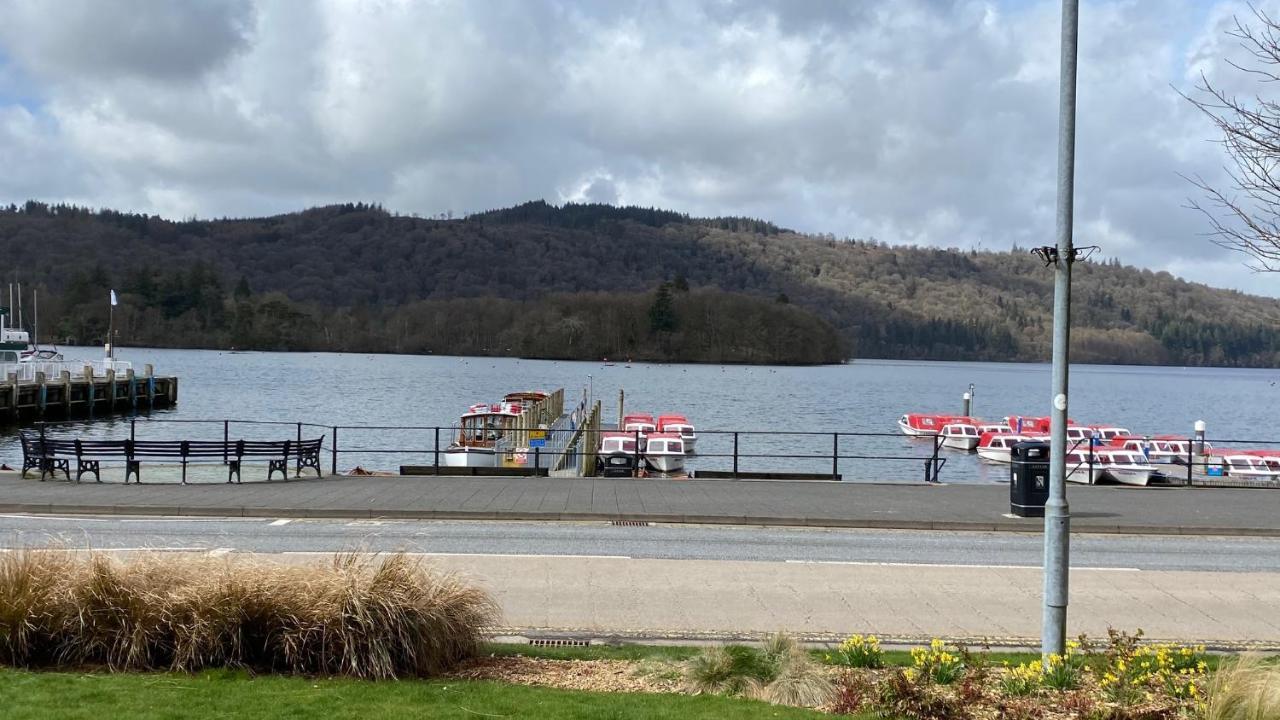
42	398
13	394
151	385
133	388
92	394
622	397
66	391
111	389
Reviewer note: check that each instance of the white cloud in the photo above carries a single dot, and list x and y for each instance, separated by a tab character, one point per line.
912	121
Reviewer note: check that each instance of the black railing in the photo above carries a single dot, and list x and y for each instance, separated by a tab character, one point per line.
811	454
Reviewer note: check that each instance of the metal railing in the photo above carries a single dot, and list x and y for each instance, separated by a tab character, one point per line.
747	454
29	371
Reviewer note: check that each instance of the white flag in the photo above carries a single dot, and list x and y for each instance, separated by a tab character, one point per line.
114	302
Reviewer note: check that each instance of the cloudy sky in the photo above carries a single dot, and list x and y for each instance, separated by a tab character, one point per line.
911	121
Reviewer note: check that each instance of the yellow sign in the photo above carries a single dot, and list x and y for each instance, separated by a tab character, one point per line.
537	434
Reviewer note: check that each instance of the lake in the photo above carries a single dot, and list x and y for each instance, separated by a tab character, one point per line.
863	396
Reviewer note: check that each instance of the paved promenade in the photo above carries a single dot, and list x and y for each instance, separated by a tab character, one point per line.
1215	511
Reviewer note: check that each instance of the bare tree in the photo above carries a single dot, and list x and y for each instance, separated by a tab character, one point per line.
1246	216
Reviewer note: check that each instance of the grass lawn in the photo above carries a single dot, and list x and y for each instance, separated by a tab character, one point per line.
222	694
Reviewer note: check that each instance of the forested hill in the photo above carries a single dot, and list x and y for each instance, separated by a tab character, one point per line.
583	281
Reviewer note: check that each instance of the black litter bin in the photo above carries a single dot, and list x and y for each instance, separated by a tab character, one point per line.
1028	478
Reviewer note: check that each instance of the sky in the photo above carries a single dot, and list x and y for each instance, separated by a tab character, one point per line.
929	122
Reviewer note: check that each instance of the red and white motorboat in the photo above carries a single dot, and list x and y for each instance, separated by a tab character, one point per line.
681	426
926	425
1025	424
639	423
1248	466
1084	467
996	446
1108	432
960	436
1124	466
618	455
664	452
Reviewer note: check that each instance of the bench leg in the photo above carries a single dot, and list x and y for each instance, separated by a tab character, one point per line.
134	468
88	466
280	466
233	468
184	471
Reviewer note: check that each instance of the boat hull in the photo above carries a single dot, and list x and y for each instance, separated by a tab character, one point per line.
464	456
994	455
960	442
664	463
1130	476
915	432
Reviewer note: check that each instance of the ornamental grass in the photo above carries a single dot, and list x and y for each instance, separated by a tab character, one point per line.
359	615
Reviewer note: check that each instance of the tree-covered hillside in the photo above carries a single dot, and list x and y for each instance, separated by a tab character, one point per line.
527	278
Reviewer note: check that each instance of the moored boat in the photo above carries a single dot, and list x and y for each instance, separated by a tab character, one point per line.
664	452
618	456
641	423
960	436
995	447
1084	467
1248	467
1124	466
479	430
927	425
680	425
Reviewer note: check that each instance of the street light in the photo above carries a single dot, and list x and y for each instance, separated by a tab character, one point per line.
1057	513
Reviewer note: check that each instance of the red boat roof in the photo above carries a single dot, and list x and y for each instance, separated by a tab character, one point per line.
664	436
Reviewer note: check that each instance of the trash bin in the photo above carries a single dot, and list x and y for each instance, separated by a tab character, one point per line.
1028	478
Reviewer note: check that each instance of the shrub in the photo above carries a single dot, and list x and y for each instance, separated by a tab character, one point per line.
937	662
1132	671
1246	689
781	672
853	692
907	694
360	615
859	652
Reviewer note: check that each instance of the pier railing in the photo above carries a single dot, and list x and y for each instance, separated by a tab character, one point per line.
743	454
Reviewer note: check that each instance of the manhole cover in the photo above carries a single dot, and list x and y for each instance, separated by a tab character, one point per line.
629	523
558	642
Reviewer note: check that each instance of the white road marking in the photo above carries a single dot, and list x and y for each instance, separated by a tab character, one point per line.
949	565
500	555
281	521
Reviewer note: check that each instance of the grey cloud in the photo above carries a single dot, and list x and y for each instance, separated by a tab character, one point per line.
911	121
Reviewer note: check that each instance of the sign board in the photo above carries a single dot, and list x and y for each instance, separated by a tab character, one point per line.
538	443
537	434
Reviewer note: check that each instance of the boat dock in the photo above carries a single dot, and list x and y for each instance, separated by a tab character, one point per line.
35	391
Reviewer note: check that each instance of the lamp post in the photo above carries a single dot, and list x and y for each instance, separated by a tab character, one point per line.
1057	513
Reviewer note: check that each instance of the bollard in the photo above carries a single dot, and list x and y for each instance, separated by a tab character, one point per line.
133	388
968	404
1200	428
43	398
298	465
65	378
111	391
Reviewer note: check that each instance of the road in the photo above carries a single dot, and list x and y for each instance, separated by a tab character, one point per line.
692	581
665	542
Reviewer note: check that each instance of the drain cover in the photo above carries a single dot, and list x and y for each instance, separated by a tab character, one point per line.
558	642
629	523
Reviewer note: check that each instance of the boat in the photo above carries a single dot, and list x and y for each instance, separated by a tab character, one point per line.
1247	467
926	425
641	423
996	446
1109	432
479	430
617	456
993	428
681	426
1033	425
1084	467
664	452
960	436
1124	466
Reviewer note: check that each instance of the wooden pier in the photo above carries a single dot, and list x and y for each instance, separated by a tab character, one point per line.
83	393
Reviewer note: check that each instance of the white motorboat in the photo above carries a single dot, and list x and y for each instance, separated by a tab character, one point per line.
996	447
1248	466
618	456
960	436
664	452
926	425
1124	466
1084	467
993	428
641	423
681	426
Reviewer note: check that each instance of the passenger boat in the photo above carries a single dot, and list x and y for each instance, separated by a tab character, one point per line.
1109	432
1033	425
664	452
960	436
617	456
993	428
1248	466
926	425
639	423
681	426
995	447
479	431
1124	466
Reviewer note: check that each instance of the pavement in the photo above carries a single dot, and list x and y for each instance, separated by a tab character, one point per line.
692	582
1094	509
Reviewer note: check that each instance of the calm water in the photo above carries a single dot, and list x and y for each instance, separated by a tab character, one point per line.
865	396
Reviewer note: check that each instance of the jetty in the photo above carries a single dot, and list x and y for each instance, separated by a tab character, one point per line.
32	391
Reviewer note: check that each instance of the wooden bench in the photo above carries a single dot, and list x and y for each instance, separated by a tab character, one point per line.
51	455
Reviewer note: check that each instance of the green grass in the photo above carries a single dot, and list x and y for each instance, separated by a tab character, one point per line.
151	696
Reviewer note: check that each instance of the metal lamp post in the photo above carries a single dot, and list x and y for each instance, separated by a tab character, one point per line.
1057	514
